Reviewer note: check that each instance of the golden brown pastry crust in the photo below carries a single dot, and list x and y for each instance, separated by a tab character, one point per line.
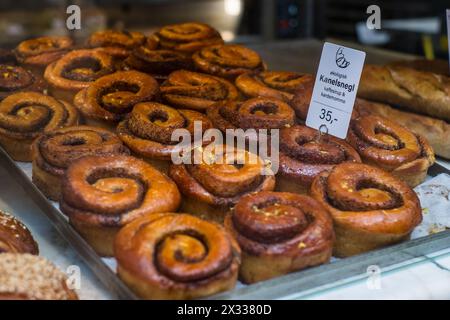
191	90
40	52
435	131
370	207
304	155
255	113
176	256
278	233
216	184
414	90
118	44
101	194
53	152
25	115
148	130
280	85
228	61
15	236
186	37
111	97
388	145
14	79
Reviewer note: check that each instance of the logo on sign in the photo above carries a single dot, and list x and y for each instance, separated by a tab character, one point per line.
341	62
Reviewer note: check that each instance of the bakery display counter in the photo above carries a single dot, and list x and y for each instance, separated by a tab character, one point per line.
80	228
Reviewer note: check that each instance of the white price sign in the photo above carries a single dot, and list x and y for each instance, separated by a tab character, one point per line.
335	89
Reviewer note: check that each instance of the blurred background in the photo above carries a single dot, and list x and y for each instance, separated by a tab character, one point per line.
413	26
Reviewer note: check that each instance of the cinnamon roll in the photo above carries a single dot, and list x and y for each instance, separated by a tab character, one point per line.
278	233
111	97
101	194
148	131
176	256
191	90
15	79
392	147
53	152
37	53
15	236
187	37
256	113
370	207
304	154
25	115
228	61
76	70
118	44
217	177
158	63
280	85
29	277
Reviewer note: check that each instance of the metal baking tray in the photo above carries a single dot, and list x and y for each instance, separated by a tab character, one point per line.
277	288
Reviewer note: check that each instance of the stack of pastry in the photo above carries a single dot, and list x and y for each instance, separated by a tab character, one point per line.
189	229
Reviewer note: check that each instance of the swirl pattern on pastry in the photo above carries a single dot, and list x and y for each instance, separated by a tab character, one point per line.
15	236
116	43
222	176
187	37
149	127
54	151
280	85
158	63
77	69
304	155
279	232
228	61
256	113
197	91
369	206
43	50
388	145
25	115
111	97
15	79
115	190
176	256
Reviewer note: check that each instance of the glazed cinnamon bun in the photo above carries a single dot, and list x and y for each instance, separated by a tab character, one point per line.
29	277
148	130
278	233
118	44
191	90
280	85
176	256
392	147
256	113
304	154
53	152
101	194
111	97
37	53
15	79
15	236
228	61
25	115
187	37
217	178
370	207
76	70
158	63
